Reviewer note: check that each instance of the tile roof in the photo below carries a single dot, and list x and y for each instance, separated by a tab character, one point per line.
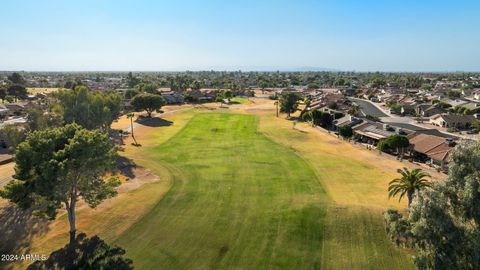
457	118
433	146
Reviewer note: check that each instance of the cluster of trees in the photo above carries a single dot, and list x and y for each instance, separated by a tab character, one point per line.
396	141
62	156
15	88
90	109
318	118
144	95
443	222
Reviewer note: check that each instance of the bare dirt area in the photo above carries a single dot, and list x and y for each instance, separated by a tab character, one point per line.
140	176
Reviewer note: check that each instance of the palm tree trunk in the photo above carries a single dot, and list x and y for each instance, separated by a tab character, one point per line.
410	197
131	128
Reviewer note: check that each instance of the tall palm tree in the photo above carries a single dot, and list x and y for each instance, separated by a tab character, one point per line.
409	183
131	115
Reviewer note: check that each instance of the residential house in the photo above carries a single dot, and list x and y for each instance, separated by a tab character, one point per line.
471	105
431	149
456	102
408	109
393	91
349	91
324	99
441	91
15	108
476	94
4	112
427	110
370	92
458	121
372	132
347	120
172	97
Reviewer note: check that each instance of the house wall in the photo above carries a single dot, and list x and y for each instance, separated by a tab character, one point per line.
438	122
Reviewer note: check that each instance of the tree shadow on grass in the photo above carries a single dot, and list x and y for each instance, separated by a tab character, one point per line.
153	122
126	166
17	229
85	253
233	102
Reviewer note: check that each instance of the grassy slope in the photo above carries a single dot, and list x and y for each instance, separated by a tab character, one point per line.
241	201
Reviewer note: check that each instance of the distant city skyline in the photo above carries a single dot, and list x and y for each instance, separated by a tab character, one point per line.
342	35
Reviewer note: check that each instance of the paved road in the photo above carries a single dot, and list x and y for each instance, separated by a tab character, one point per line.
368	108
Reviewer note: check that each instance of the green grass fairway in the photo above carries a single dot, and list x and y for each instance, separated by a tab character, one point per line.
242	201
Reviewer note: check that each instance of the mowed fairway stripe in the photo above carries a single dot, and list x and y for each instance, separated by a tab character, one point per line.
239	201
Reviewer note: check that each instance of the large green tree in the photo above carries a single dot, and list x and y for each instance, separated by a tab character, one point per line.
443	224
17	91
148	102
228	95
289	102
90	109
55	168
130	93
409	183
16	78
345	131
397	142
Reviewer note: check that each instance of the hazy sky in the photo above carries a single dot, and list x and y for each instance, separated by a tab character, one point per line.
389	35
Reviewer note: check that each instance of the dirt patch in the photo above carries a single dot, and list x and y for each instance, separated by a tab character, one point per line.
141	176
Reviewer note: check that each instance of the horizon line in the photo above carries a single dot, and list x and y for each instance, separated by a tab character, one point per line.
237	70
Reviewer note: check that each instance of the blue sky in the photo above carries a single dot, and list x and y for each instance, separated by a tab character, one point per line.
395	35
